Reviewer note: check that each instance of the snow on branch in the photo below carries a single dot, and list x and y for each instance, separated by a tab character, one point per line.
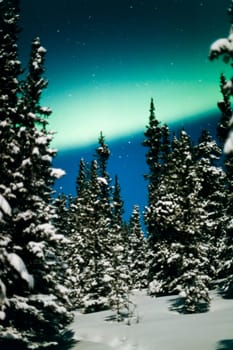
17	263
223	46
228	147
102	180
2	300
4	207
57	173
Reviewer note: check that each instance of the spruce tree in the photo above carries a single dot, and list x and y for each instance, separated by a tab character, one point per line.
121	284
213	193
105	196
158	144
153	136
225	107
34	315
222	48
80	223
96	273
138	251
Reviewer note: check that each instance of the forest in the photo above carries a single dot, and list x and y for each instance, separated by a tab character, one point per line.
61	253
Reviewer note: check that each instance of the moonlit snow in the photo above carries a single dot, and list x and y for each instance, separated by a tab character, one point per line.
228	147
155	327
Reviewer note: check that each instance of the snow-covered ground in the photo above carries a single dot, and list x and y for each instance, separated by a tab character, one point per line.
158	327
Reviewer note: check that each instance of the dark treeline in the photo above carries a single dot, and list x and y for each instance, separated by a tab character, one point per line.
57	255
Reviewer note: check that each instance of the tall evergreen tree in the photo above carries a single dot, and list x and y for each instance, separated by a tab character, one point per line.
35	315
118	204
138	251
81	181
121	284
213	193
105	196
225	107
158	144
222	48
96	273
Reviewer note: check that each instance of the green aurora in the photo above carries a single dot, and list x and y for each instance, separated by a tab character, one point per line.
105	63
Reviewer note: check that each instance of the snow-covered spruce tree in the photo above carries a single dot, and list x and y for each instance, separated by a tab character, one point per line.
225	107
80	223
117	205
35	316
79	228
64	221
102	156
120	277
81	181
157	142
213	193
4	257
95	275
180	254
165	213
9	87
138	251
86	195
61	204
223	48
118	223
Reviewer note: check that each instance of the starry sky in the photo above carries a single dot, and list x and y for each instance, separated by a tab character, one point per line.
107	58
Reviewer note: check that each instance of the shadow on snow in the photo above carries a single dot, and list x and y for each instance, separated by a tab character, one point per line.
226	344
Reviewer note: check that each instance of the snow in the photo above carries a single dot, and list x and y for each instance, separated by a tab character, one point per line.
222	44
36	151
228	147
26	162
25	215
17	263
57	173
156	327
42	140
37	248
4	206
47	158
102	180
46	110
42	49
2	294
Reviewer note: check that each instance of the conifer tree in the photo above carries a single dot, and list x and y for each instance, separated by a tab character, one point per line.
96	272
225	107
222	48
80	223
34	314
138	251
103	178
157	141
63	221
213	193
153	136
81	179
118	204
121	284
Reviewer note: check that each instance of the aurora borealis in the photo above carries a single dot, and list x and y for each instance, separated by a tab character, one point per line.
107	58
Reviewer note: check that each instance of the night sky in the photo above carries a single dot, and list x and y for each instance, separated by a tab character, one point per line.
107	58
